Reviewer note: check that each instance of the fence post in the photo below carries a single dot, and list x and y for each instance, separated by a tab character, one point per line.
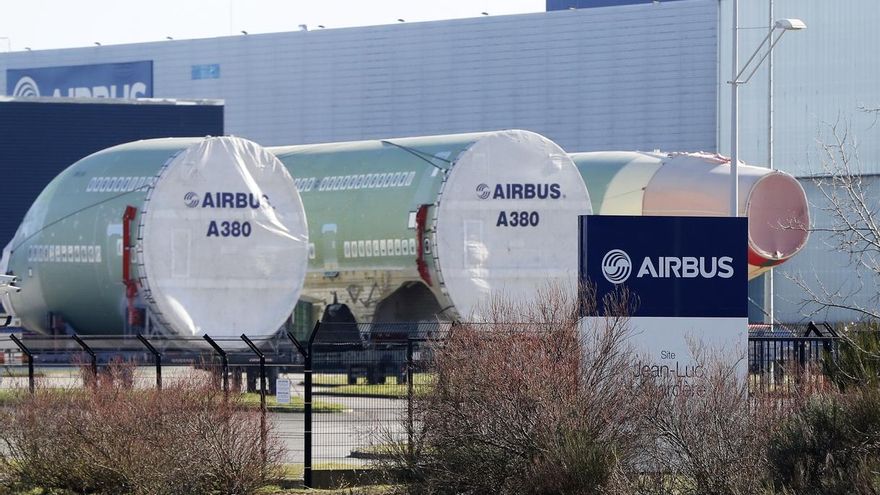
307	409
409	398
30	357
263	431
156	356
92	355
225	362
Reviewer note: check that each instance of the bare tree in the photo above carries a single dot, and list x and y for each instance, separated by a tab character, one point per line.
851	227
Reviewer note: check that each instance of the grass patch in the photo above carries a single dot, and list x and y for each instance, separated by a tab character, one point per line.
421	384
351	482
295	471
296	404
359	490
20	372
379	451
329	379
393	391
9	397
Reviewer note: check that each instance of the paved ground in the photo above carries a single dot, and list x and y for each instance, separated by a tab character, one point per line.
366	421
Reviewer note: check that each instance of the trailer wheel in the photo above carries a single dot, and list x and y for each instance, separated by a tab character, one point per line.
373	376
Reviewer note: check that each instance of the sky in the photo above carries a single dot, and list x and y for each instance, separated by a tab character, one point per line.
46	24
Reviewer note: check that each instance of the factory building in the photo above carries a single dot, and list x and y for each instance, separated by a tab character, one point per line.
590	75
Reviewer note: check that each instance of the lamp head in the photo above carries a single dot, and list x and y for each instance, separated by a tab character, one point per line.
791	24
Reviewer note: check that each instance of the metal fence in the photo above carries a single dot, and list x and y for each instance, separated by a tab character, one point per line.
349	388
778	366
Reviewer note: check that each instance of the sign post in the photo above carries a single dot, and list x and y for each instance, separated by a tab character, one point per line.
689	278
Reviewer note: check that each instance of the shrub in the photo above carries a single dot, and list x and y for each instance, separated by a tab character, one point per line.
832	446
858	359
711	440
112	438
536	406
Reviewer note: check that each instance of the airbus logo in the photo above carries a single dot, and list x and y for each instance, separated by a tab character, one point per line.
191	199
519	191
687	267
26	87
483	191
616	266
238	200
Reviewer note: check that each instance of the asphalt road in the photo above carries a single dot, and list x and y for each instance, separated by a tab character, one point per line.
366	421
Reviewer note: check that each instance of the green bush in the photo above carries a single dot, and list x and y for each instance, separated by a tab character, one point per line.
832	446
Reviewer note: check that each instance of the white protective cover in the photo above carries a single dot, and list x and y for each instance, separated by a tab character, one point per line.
479	259
4	267
198	280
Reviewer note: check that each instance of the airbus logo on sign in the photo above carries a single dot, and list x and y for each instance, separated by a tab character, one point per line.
616	266
687	267
674	266
115	80
26	87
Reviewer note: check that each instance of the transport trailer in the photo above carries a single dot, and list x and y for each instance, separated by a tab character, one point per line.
374	351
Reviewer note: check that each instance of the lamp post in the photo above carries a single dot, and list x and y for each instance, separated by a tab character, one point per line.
781	26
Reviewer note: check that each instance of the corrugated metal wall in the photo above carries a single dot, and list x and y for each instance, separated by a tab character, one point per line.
589	4
827	271
39	140
629	77
822	75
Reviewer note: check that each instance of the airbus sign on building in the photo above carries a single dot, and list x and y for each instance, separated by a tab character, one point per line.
127	80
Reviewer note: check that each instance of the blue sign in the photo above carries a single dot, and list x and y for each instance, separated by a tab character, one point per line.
205	71
676	266
124	80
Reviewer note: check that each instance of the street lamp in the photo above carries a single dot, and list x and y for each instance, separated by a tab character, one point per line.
781	26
